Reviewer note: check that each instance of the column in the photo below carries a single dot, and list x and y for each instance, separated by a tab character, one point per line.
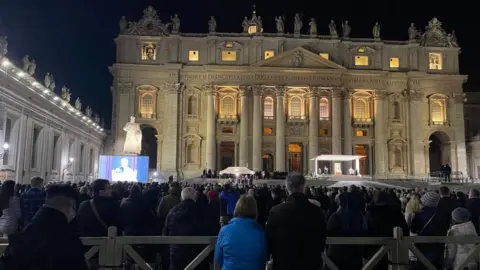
347	129
211	144
417	155
243	150
312	129
280	131
235	161
457	121
380	143
171	126
257	129
336	122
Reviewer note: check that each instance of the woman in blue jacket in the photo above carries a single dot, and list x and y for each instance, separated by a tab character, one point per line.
242	243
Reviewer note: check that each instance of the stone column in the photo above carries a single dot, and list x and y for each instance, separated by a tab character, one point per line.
243	150
347	129
336	122
312	129
211	124
417	155
170	134
380	142
257	129
280	131
457	121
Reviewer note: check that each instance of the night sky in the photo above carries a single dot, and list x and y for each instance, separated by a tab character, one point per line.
74	39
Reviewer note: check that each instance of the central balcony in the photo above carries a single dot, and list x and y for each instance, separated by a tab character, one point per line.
227	119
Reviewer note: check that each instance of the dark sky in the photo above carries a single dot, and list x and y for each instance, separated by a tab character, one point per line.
74	39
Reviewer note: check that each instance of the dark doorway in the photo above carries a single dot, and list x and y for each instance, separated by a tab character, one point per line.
227	154
438	152
149	145
267	163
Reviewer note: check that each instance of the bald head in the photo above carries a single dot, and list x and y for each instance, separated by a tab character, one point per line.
295	183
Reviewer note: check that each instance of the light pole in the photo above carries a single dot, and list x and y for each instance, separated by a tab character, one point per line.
73	168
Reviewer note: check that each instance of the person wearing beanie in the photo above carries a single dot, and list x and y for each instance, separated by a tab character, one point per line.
462	226
430	199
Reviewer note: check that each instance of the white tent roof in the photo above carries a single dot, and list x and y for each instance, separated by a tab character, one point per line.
237	170
337	157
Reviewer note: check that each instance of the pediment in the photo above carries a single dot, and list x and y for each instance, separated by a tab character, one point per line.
362	49
298	58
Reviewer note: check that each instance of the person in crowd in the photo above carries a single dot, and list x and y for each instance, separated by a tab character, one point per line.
11	211
381	218
185	220
49	242
462	226
168	202
296	229
428	223
32	200
96	215
84	195
213	212
473	206
241	244
229	198
445	207
412	208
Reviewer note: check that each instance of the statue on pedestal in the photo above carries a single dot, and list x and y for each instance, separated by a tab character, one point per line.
212	25
52	83
346	29
133	140
48	80
175	24
123	24
333	29
376	31
280	24
88	111
313	27
412	32
26	62
32	67
298	24
78	104
3	46
245	25
65	94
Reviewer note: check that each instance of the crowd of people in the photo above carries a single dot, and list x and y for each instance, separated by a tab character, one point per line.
278	227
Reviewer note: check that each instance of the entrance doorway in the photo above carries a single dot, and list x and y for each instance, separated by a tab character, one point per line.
439	151
294	157
267	163
362	150
149	145
227	154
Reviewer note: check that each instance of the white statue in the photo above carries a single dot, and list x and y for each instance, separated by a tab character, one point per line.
133	140
3	46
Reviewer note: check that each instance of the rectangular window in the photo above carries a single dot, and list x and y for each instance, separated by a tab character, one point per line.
193	56
394	62
361	133
324	55
267	131
229	56
361	60
269	54
435	61
323	132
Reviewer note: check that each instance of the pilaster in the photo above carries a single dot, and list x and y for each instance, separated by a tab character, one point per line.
257	128
280	130
243	148
312	128
380	142
337	121
458	124
210	91
417	153
347	128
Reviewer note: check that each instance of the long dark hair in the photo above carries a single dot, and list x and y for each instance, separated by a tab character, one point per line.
6	191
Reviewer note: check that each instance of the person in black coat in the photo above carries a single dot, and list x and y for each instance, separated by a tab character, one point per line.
49	242
296	230
185	219
137	218
473	207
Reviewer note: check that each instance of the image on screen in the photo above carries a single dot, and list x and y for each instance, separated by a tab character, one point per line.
124	168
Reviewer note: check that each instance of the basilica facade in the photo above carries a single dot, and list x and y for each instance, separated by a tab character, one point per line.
274	101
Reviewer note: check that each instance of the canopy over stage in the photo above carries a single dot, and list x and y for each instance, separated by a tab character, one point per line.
336	159
237	171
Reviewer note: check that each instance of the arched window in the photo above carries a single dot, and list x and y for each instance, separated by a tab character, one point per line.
324	110
228	106
146	105
295	107
436	111
268	108
396	110
360	109
397	158
192	105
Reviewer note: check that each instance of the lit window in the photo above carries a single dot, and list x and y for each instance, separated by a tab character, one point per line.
229	56
295	107
149	51
252	29
146	105
193	56
437	111
267	131
435	61
394	62
268	108
360	109
323	132
361	133
324	109
361	50
228	106
324	55
269	54
228	45
361	60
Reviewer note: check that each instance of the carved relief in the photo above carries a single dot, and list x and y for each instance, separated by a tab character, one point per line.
149	25
380	94
192	128
414	95
124	88
297	58
244	90
257	90
280	90
296	131
459	97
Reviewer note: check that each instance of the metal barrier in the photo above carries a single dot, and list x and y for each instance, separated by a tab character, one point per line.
112	250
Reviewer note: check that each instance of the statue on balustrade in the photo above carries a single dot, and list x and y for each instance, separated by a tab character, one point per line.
376	31
452	40
65	94
212	25
32	67
52	83
88	111
313	27
3	46
123	24
48	80
280	24
413	32
133	139
333	29
245	25
78	104
26	62
96	118
346	29
175	24
298	24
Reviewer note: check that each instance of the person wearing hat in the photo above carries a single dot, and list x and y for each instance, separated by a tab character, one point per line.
462	226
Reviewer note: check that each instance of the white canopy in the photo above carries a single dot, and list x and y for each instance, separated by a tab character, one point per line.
337	157
237	170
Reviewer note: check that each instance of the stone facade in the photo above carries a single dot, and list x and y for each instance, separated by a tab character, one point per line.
274	101
46	136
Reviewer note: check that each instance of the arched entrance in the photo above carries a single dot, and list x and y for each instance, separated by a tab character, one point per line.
149	145
439	150
267	163
294	157
227	154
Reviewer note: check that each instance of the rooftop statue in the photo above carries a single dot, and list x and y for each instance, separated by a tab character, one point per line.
88	111
212	25
32	67
123	24
65	94
3	46
313	27
48	80
298	24
333	29
245	25
280	24
52	84
346	29
175	24
78	104
413	33
376	31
